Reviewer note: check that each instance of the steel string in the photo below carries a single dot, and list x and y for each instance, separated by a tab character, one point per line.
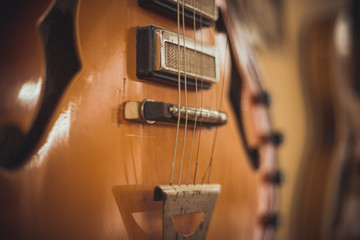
196	103
208	169
185	88
179	94
201	95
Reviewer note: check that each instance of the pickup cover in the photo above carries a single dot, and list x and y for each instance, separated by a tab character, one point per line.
158	58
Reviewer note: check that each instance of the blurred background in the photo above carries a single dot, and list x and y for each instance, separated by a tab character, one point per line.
308	59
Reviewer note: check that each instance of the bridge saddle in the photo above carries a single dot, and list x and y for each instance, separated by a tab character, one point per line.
150	112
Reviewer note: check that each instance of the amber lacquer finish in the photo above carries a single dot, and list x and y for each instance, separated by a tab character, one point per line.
22	68
93	174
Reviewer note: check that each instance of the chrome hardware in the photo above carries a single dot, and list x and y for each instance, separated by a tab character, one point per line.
200	114
135	111
160	46
150	112
185	199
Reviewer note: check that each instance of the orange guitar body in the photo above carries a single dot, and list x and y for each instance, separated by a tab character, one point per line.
93	173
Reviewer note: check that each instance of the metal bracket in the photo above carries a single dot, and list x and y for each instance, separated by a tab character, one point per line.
185	199
151	112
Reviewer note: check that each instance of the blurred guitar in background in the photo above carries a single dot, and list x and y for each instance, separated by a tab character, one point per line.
313	75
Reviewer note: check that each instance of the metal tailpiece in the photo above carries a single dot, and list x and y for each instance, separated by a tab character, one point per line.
186	199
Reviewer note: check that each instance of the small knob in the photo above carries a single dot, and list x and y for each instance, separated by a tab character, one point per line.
262	98
271	220
277	177
275	138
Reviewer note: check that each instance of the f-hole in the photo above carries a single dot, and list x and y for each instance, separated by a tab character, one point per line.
62	63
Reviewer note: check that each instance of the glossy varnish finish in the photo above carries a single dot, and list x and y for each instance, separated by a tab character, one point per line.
22	68
93	174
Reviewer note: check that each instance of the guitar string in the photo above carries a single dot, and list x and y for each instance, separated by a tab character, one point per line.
201	95
179	94
208	169
196	103
185	90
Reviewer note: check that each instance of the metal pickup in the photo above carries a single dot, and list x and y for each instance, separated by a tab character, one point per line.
185	199
206	12
158	58
150	112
